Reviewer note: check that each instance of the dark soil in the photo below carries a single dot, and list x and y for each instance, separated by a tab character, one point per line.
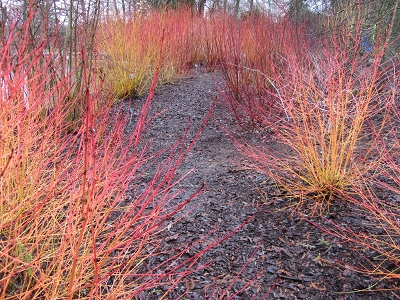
286	256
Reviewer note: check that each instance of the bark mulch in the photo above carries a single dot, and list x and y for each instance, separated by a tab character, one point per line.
285	257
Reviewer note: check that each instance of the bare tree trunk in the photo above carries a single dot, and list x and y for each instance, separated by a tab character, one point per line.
3	20
251	6
237	5
116	8
123	9
200	7
108	10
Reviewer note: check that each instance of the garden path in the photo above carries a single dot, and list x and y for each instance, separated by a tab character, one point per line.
292	258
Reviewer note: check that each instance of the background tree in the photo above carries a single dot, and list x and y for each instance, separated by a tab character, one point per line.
298	9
